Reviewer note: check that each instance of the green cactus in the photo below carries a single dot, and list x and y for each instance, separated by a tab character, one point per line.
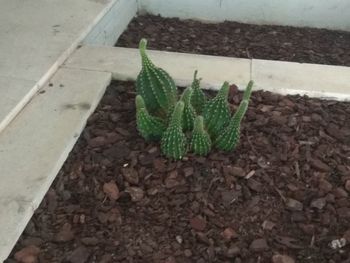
229	137
174	142
198	98
216	112
155	85
189	113
161	116
200	142
150	127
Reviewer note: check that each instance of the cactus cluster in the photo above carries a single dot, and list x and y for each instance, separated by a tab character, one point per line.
190	122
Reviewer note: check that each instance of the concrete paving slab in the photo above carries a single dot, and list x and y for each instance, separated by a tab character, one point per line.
322	81
12	93
37	36
34	34
37	142
314	80
124	63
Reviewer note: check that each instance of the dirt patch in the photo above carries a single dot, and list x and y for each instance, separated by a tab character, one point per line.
282	196
306	45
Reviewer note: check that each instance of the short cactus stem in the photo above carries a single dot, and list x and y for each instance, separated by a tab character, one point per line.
155	85
189	113
200	141
174	142
150	127
229	138
216	112
198	98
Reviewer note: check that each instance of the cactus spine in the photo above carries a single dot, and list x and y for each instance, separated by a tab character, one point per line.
198	98
150	127
216	112
229	138
189	113
174	142
155	85
200	142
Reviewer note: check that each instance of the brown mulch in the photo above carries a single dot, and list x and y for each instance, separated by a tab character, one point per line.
307	45
284	190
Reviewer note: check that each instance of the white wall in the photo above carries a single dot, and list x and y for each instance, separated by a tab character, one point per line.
332	14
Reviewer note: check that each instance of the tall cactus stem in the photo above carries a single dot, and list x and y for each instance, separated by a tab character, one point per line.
229	138
216	112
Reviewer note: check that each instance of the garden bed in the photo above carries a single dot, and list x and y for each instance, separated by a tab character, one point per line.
306	45
284	190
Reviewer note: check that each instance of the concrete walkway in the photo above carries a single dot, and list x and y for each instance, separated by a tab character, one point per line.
35	38
38	130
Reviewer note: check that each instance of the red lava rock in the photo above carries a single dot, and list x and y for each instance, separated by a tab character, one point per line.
159	165
294	205
308	228
347	235
173	180
229	234
203	238
130	175
347	185
259	245
111	190
146	159
279	120
292	187
339	192
334	131
97	141
35	241
255	185
319	165
65	234
107	258
118	151
102	217
292	121
325	186
136	193
52	200
122	131
79	255
188	171
318	203
28	254
344	212
187	253
268	225
89	241
282	259
234	171
170	259
112	137
233	251
306	118
114	216
198	223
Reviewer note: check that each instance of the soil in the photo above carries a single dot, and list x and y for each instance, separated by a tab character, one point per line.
282	196
307	45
